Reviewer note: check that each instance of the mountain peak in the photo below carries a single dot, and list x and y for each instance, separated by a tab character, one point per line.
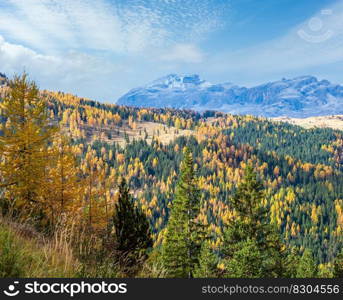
177	81
305	78
302	96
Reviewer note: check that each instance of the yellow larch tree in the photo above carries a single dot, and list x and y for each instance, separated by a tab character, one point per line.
24	144
61	190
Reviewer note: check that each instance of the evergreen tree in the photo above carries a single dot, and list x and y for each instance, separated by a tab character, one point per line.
291	263
208	262
23	144
306	267
184	234
338	266
246	262
132	232
251	226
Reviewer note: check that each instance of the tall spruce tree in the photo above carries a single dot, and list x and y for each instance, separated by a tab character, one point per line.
251	229
208	262
306	267
246	262
132	233
184	234
291	263
24	144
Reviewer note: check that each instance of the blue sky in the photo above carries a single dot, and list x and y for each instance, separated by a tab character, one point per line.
101	49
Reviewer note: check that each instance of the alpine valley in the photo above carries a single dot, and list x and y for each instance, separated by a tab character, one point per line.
95	181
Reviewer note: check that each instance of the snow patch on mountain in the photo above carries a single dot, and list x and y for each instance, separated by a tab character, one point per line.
302	96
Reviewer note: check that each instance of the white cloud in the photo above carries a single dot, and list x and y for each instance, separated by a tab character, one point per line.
75	72
120	27
187	53
12	54
57	25
101	48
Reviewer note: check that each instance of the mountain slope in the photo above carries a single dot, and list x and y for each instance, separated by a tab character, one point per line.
334	122
300	97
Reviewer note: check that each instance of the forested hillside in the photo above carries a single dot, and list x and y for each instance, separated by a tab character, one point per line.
81	150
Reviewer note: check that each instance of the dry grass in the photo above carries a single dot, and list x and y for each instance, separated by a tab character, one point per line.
58	251
334	122
35	255
148	130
